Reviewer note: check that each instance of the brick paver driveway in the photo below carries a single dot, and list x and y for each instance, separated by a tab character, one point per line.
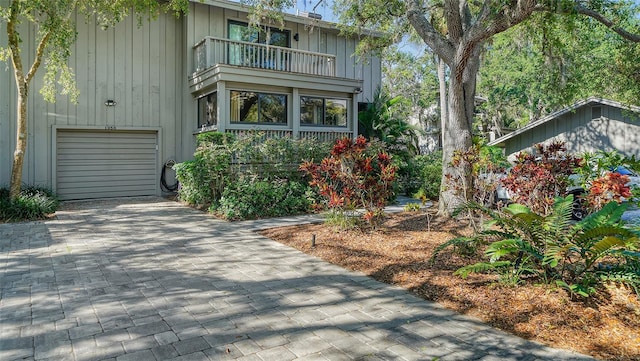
149	279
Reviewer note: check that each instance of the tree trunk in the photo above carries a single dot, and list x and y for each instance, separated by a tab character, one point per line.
442	82
21	143
22	85
23	91
456	181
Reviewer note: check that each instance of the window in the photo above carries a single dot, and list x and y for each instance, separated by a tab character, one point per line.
253	107
323	111
242	32
208	110
258	56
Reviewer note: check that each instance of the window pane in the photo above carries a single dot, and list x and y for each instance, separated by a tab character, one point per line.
208	110
311	110
278	38
336	112
244	106
273	108
242	32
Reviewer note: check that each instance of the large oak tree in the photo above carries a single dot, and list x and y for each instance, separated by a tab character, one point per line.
55	33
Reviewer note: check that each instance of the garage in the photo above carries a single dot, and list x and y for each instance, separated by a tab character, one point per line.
104	164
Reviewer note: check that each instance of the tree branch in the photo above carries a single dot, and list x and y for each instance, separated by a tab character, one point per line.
580	9
14	42
454	20
490	23
438	43
38	59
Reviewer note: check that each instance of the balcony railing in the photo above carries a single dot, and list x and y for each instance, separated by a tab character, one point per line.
211	51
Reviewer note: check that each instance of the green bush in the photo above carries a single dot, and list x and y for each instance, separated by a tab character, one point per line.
251	199
426	176
32	204
222	160
203	179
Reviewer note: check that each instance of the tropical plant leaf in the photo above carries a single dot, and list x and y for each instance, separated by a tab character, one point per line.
480	267
516	208
610	214
607	243
553	255
577	289
560	216
588	238
458	241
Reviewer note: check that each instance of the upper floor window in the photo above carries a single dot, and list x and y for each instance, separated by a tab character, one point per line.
243	32
254	107
208	110
323	111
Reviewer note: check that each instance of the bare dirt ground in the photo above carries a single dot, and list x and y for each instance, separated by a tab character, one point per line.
606	326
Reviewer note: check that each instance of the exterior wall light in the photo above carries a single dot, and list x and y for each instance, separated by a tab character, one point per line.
110	103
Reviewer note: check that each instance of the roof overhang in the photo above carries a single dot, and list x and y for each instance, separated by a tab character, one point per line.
237	6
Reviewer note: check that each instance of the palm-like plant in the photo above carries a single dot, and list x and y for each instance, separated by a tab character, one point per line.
381	120
574	255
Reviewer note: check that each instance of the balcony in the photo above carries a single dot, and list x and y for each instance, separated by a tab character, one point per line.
212	51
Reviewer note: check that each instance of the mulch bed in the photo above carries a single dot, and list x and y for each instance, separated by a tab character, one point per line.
606	326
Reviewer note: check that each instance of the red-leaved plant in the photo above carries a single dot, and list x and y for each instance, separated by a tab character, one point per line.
354	176
537	178
610	187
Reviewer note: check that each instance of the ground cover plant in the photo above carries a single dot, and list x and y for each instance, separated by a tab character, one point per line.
33	203
605	325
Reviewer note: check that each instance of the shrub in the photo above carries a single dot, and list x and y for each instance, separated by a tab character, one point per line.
32	204
610	187
222	159
552	248
354	175
425	176
479	166
202	180
251	199
537	178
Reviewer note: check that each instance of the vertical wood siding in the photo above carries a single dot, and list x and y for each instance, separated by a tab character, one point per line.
140	67
617	129
207	20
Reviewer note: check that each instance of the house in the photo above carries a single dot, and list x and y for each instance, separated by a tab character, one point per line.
589	125
146	92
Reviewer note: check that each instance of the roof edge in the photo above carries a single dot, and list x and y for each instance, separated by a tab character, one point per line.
561	112
238	6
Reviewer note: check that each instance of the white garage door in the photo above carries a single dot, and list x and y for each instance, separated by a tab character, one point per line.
101	164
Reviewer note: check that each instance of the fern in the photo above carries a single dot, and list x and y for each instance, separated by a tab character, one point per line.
610	214
458	242
480	267
624	276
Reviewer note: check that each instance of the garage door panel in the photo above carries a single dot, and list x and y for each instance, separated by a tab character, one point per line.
80	172
101	164
96	179
101	156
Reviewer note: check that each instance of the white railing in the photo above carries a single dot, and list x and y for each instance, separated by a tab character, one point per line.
211	51
325	136
268	134
320	135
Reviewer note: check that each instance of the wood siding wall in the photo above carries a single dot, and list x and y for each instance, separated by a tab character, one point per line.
617	129
141	68
205	20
